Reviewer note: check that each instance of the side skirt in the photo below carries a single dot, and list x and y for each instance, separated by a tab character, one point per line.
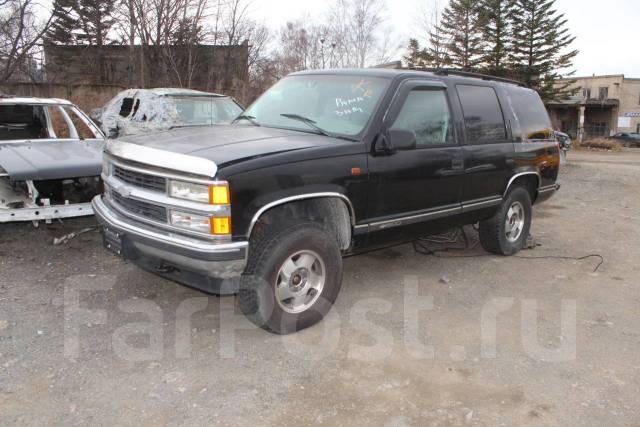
417	217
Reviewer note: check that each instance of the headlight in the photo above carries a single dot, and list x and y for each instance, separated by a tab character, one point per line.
217	194
220	226
192	222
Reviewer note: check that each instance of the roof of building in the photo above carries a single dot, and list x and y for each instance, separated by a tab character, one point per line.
603	76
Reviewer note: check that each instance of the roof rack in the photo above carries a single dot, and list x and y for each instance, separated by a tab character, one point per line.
457	72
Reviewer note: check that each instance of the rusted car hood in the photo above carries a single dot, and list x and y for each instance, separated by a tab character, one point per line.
51	159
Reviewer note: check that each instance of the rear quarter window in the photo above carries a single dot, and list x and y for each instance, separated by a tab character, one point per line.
482	114
532	116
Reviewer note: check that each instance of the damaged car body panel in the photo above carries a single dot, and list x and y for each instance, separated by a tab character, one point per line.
50	160
140	111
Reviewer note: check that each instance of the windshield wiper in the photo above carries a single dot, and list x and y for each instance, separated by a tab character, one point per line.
246	117
311	123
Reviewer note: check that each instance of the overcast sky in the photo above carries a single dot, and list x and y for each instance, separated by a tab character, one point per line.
608	32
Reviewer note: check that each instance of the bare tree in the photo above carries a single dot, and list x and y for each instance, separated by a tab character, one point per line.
190	35
234	23
168	33
20	33
237	28
304	46
356	25
387	47
430	32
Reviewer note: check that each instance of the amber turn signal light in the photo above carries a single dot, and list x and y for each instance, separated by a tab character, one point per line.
221	226
219	194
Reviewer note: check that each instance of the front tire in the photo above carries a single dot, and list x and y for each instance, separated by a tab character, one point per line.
506	232
293	277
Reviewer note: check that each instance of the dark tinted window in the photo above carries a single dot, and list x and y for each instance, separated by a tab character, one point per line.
532	116
482	114
426	113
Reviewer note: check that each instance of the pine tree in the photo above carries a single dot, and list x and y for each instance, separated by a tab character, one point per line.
417	57
438	42
85	22
462	25
96	20
539	51
497	16
64	23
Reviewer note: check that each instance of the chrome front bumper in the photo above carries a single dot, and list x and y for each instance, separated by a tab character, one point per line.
170	251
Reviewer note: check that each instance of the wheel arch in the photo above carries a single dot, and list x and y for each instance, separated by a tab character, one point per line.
334	205
528	179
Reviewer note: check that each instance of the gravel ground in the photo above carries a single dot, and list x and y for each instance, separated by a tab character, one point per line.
88	339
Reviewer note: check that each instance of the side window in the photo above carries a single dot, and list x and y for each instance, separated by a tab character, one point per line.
482	114
59	124
83	130
426	113
532	116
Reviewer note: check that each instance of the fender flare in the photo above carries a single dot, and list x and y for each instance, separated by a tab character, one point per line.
518	175
306	196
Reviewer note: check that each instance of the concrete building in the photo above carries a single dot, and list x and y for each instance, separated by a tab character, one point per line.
603	106
222	69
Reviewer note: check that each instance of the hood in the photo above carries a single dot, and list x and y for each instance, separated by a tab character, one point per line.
230	143
40	160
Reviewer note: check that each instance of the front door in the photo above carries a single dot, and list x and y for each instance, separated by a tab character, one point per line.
410	187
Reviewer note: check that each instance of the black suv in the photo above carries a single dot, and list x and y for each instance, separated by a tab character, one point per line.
324	165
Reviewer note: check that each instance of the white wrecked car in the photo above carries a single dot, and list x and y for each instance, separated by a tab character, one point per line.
50	160
138	111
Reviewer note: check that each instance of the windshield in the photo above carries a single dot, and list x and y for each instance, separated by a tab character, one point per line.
194	111
319	103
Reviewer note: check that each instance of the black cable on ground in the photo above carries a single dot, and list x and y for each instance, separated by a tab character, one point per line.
420	247
582	258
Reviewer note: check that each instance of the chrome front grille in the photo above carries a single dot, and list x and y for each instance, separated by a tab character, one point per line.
139	208
140	179
140	192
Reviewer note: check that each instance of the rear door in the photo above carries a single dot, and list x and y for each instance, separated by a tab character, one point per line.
488	149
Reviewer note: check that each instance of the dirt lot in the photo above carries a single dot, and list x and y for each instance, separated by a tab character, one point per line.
565	349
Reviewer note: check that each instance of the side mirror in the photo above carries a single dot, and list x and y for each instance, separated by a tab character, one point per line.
401	139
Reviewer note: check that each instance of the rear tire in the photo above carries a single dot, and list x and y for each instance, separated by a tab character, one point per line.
506	232
293	277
